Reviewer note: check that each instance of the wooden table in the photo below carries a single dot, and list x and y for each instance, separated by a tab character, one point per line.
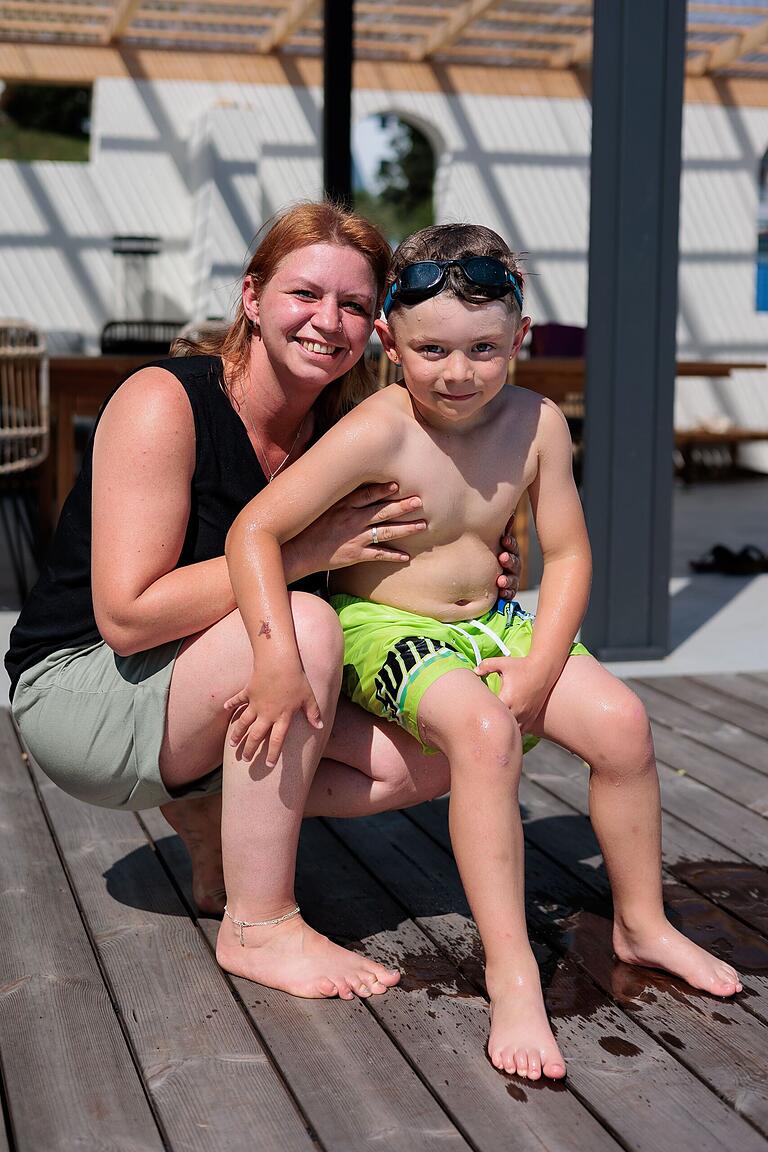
560	378
79	385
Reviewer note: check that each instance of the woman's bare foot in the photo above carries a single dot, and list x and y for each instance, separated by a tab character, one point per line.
664	947
521	1040
197	821
294	958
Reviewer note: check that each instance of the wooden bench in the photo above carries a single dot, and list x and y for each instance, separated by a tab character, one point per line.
690	441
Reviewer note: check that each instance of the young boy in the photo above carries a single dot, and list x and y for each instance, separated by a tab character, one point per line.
425	641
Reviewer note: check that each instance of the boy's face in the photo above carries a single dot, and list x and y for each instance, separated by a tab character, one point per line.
455	355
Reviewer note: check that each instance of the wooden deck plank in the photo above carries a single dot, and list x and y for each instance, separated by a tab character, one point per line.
582	1014
688	855
549	823
700	726
737	684
68	1074
442	1036
711	767
210	1080
327	1049
699	694
437	1019
717	1040
721	819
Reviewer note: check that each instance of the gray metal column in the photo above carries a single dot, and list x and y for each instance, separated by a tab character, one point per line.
637	95
337	100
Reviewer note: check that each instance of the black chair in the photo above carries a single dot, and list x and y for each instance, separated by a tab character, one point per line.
566	342
557	340
153	337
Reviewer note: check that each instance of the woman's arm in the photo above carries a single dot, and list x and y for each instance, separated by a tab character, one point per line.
143	461
144	458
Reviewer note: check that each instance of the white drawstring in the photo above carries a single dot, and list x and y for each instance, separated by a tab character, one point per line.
488	631
467	636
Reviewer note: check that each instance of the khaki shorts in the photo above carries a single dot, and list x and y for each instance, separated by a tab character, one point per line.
94	722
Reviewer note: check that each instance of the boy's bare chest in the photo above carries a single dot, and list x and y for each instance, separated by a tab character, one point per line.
468	484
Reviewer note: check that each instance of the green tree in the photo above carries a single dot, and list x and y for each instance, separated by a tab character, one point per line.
48	108
402	201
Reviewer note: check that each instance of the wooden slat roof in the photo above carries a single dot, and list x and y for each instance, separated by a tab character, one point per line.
724	38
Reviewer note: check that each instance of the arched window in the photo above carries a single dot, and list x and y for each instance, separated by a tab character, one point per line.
394	173
761	295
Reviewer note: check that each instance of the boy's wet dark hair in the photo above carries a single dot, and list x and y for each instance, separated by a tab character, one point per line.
456	242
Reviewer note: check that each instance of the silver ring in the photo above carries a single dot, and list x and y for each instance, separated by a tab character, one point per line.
374	534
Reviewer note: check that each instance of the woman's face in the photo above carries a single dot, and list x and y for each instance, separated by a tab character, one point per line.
315	314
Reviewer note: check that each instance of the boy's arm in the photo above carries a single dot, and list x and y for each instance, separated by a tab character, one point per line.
355	450
567	572
562	533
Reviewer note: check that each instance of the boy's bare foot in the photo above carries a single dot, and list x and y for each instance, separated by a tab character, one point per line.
521	1040
294	958
197	821
664	947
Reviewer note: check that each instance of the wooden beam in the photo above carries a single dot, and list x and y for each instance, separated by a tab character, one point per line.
721	55
286	24
578	52
45	11
180	20
444	35
121	18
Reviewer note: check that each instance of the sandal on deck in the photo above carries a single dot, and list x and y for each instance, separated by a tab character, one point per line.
748	562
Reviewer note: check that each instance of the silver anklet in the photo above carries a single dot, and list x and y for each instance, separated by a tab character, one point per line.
259	923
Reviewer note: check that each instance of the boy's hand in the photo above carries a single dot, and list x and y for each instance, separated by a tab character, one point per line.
268	705
508	581
522	688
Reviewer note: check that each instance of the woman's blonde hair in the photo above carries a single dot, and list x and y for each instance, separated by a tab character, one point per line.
298	227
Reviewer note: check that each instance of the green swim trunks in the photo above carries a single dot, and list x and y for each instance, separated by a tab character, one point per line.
391	657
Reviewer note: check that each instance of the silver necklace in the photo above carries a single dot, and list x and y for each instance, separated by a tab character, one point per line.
270	473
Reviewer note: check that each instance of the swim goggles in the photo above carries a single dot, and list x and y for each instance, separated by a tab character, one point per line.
426	278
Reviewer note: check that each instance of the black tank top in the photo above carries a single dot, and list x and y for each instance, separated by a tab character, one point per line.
59	611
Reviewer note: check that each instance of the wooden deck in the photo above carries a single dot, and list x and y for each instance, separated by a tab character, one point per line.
118	1032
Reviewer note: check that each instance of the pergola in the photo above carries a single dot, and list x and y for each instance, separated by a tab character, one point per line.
632	54
722	38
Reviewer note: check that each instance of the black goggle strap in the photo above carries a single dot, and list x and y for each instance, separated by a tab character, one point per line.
395	288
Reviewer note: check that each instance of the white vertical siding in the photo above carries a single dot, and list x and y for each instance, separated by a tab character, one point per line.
520	165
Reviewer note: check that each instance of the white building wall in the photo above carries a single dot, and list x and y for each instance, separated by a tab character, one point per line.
518	164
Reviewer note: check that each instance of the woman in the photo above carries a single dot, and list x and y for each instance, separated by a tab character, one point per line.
130	644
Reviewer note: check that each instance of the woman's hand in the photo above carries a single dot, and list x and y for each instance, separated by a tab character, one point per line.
522	688
266	707
343	536
508	581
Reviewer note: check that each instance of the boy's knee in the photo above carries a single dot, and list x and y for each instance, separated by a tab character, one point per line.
627	745
633	724
489	742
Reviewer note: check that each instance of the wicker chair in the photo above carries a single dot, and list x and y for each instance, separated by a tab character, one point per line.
24	440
